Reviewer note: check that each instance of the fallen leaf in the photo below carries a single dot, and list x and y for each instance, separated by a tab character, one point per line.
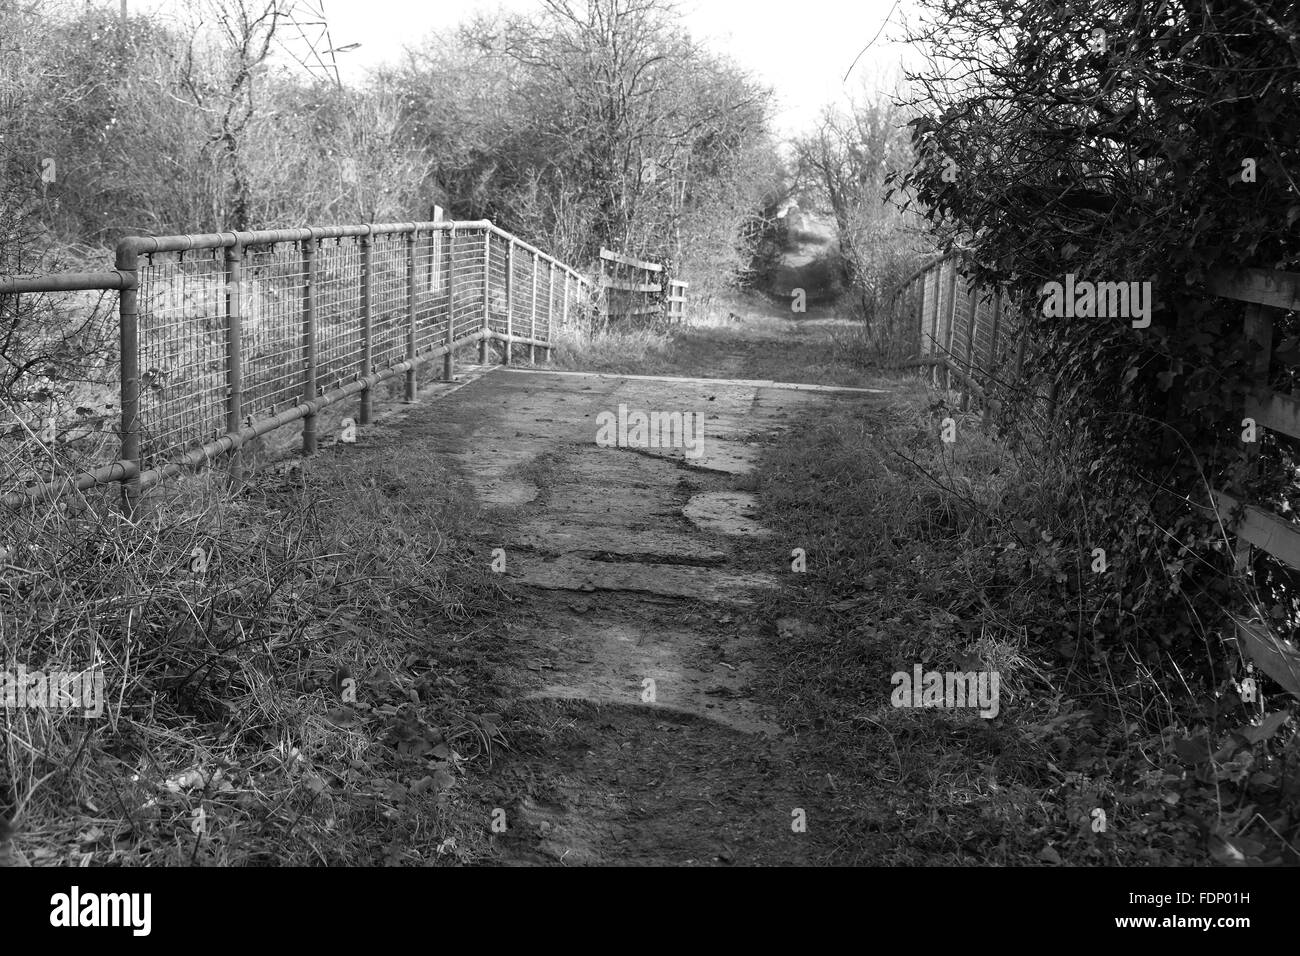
342	717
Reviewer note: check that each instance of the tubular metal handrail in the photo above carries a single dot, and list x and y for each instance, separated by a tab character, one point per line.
422	290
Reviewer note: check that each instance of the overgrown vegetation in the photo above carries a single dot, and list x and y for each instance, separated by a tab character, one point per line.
1130	144
582	125
977	556
227	631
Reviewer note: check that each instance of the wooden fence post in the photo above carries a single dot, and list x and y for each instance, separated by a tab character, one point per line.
1257	326
918	320
972	325
936	351
1018	370
992	368
997	320
952	326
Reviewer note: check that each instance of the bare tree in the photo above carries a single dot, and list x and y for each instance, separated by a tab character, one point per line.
229	45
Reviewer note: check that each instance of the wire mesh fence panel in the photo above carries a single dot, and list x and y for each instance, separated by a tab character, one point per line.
546	312
338	307
291	307
467	276
521	292
275	280
181	350
389	320
431	292
534	290
498	251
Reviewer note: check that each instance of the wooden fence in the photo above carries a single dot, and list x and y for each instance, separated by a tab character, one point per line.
677	300
975	339
632	288
1269	295
968	336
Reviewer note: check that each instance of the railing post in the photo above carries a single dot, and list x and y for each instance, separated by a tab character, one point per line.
309	342
128	260
367	323
510	297
234	359
449	360
483	342
410	315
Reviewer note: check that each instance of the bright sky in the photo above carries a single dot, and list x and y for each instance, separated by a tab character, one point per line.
802	48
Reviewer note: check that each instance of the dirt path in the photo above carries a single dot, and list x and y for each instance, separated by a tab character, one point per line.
635	737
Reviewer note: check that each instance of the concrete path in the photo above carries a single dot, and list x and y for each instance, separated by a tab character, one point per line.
635	570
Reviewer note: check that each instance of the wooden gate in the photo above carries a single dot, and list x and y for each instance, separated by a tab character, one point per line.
629	287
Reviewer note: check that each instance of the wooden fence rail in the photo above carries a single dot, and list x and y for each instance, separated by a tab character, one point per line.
634	288
677	300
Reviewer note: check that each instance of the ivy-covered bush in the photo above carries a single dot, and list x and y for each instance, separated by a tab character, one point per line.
1121	143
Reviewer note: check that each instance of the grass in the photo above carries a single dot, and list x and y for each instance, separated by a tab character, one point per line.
230	736
746	336
967	557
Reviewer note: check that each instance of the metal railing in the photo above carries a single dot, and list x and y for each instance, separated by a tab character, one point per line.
227	336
